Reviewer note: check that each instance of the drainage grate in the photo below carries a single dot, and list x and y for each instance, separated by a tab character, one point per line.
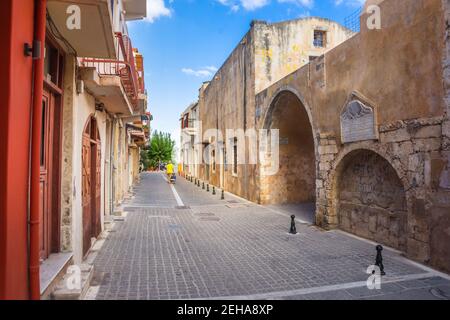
210	219
204	214
182	207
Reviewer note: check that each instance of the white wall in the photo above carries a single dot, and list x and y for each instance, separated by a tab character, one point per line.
84	107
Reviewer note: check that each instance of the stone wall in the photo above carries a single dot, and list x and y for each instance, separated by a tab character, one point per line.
281	48
265	54
295	180
371	200
410	106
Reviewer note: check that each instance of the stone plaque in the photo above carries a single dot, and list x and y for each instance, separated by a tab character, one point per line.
358	123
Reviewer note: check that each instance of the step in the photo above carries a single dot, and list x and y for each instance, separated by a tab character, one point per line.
63	292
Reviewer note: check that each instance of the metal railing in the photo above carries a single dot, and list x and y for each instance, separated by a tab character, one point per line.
124	67
353	21
188	123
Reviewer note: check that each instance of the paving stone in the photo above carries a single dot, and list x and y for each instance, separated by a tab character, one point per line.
160	252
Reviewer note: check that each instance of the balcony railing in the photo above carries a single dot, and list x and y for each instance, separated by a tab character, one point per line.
188	123
124	67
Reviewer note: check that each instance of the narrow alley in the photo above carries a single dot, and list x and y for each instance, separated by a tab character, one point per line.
208	248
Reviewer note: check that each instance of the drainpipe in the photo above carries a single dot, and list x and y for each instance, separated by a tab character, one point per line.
36	125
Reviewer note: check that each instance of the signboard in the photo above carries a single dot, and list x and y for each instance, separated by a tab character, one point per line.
358	123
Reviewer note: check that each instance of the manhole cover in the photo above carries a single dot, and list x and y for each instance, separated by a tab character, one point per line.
204	214
210	219
236	205
182	207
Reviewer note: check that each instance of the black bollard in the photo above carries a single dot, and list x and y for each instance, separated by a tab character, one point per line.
379	260
223	195
207	187
293	227
198	183
203	186
214	191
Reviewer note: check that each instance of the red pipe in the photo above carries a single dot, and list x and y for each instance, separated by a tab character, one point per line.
38	80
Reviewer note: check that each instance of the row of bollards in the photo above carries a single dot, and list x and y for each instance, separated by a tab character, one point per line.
197	183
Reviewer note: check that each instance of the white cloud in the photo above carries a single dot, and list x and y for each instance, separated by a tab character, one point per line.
204	72
251	5
302	3
157	9
351	3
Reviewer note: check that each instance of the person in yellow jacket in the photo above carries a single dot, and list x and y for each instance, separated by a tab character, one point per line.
169	169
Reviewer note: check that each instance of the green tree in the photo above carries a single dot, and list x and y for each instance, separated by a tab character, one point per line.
161	148
145	158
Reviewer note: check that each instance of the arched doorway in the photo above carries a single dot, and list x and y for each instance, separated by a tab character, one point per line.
371	200
293	186
91	184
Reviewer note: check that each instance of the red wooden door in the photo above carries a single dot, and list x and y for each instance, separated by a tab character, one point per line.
91	184
86	191
46	174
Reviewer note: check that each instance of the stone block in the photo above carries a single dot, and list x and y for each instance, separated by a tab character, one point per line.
402	148
327	158
319	183
418	250
415	162
446	128
429	132
324	166
427	145
331	149
395	136
373	223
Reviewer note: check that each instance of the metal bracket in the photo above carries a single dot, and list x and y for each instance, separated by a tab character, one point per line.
33	51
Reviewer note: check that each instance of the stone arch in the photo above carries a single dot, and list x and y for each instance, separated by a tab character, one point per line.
294	183
370	198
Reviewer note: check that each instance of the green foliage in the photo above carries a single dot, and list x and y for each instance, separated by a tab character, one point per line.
161	148
145	158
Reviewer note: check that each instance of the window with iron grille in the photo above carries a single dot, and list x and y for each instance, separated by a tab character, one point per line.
320	38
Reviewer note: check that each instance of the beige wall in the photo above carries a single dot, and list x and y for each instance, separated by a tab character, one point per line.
264	55
397	72
395	69
282	48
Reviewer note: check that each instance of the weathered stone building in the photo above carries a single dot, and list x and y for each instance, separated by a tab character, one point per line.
364	128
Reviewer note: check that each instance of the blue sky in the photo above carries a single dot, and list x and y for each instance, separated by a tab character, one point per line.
185	41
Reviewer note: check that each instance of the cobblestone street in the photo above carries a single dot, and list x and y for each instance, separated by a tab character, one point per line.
207	248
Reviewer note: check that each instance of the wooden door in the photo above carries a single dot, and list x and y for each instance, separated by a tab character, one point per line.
86	191
44	178
91	183
96	219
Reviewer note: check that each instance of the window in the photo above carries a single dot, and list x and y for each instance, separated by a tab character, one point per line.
312	58
235	156
320	38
